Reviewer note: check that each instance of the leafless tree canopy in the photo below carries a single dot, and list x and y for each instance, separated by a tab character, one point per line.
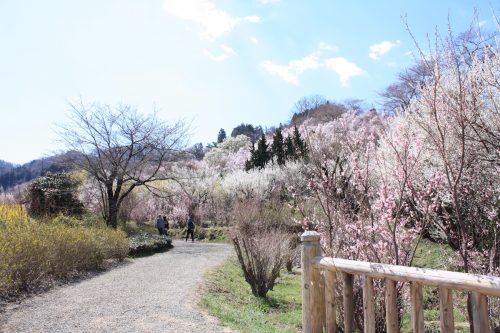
121	149
398	96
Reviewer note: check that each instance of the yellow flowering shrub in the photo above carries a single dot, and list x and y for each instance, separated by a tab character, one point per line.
32	252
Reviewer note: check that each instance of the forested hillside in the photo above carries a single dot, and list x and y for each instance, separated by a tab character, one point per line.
12	175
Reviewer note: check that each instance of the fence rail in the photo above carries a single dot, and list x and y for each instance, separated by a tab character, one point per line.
320	276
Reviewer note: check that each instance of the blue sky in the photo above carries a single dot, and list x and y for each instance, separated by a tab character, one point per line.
213	63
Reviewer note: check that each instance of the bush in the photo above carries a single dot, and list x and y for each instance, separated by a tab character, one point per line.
210	234
32	253
89	221
52	194
143	244
263	246
133	228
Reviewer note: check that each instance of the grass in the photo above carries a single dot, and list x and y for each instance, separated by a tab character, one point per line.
433	255
228	297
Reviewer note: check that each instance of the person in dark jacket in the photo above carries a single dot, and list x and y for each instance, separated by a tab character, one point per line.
160	225
190	228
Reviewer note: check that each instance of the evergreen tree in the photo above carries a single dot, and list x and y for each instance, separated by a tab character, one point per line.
299	143
278	148
221	136
262	155
289	149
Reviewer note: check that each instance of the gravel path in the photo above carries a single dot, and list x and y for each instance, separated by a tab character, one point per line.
151	294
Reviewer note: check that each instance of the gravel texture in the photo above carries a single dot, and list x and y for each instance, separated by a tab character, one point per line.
152	294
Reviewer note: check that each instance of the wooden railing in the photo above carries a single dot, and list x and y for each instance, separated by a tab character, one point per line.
320	276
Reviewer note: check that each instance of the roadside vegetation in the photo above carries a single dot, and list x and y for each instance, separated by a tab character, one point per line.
35	253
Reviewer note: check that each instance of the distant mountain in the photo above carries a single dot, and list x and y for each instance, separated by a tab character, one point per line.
5	165
12	175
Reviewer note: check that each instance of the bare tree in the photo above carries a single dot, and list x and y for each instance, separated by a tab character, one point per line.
399	95
121	149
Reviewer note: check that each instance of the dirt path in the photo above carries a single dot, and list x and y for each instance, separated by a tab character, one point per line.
152	294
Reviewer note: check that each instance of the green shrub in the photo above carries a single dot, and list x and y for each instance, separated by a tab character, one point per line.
133	228
210	234
144	243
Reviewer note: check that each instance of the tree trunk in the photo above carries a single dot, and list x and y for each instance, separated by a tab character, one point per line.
112	218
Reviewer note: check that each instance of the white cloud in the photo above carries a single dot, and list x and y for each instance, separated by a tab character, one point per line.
344	68
227	52
291	72
282	71
215	22
378	50
324	46
294	68
254	40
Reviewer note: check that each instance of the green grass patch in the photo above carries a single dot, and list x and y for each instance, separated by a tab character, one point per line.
228	297
433	255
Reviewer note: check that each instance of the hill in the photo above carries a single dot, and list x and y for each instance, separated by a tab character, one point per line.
12	175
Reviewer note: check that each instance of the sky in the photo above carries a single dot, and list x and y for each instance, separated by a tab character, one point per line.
212	63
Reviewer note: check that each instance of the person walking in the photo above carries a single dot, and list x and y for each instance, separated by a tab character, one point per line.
190	228
165	221
160	225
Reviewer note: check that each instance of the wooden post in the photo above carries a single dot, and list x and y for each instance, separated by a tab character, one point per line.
417	308
391	306
368	305
310	282
480	312
318	313
331	314
446	310
348	302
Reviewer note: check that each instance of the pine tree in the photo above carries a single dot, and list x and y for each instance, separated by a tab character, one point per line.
278	148
300	144
221	136
289	149
262	155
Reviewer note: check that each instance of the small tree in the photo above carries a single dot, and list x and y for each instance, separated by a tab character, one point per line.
121	149
197	151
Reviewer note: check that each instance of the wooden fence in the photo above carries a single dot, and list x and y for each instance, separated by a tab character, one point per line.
320	276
